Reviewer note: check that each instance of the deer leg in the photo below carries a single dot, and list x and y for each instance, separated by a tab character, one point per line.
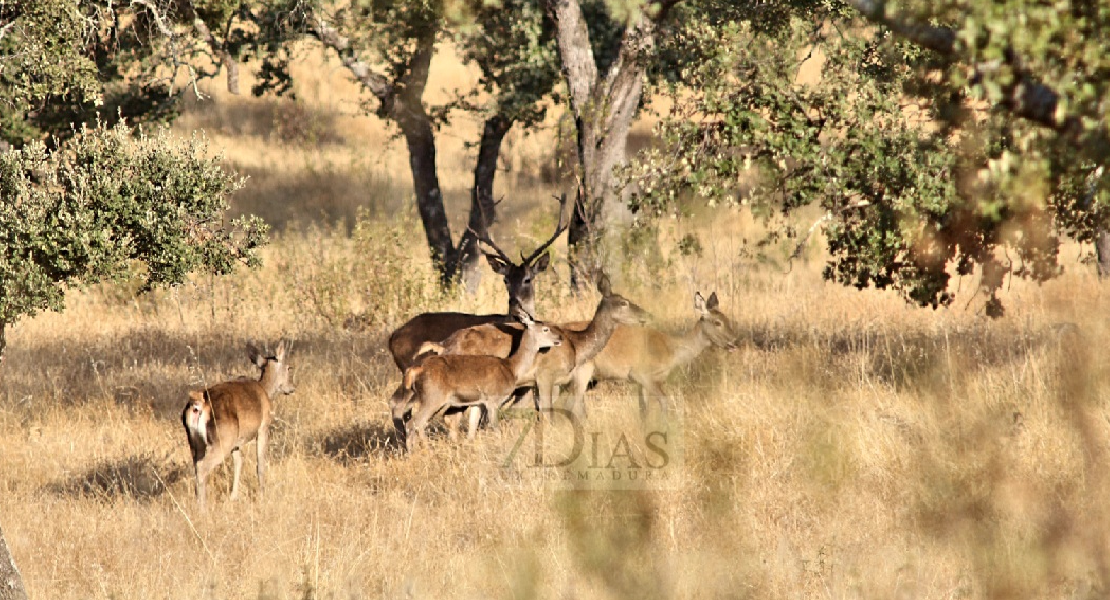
263	438
453	421
543	389
649	391
580	382
419	422
237	468
493	407
203	469
474	416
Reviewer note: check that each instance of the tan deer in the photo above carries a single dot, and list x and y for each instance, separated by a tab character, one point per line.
406	340
221	419
553	368
646	356
443	382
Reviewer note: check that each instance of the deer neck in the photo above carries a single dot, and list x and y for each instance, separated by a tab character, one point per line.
589	342
689	345
269	381
521	361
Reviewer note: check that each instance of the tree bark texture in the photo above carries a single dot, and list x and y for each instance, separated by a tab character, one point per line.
603	106
1102	253
11	583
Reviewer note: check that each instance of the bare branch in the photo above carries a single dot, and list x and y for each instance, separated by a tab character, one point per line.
221	52
330	37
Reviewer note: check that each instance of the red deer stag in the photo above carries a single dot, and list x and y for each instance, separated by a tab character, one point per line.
553	368
646	356
405	342
221	419
442	382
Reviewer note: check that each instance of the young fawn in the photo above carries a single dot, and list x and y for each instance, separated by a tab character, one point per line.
442	382
221	419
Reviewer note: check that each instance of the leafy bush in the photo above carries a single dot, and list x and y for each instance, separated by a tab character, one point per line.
107	204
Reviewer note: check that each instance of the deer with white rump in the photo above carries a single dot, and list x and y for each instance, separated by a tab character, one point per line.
223	418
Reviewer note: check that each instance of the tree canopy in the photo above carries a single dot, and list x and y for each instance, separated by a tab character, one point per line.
952	137
90	203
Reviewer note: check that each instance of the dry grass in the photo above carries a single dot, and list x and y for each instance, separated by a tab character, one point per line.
852	448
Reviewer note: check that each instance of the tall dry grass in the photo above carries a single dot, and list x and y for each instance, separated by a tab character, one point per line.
853	447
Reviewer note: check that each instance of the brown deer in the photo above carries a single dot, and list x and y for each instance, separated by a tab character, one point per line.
405	342
553	368
646	356
221	419
442	382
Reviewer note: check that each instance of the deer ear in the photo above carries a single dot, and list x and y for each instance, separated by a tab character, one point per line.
603	285
523	316
279	354
256	355
699	302
498	264
541	264
712	303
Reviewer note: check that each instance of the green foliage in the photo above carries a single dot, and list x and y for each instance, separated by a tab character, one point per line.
919	182
105	201
41	63
512	43
68	61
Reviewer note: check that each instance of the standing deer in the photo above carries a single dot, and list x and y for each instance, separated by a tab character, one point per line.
405	342
221	419
441	382
646	356
553	368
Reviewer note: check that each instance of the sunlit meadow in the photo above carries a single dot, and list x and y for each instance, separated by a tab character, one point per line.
851	447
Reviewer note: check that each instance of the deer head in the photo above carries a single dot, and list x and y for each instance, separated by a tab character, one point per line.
715	324
519	276
276	374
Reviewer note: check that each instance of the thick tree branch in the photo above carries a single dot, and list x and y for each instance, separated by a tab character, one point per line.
329	36
221	52
573	39
11	583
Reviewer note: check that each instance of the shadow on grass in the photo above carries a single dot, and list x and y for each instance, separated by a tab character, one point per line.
360	441
142	477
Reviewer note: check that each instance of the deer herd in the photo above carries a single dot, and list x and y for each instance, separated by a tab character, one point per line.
459	364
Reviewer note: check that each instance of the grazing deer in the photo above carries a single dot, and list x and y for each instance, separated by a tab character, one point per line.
405	342
646	356
553	368
221	419
441	382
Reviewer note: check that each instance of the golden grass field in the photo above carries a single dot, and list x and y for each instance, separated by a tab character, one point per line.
853	447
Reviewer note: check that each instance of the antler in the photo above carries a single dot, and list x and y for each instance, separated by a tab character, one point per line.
485	239
560	227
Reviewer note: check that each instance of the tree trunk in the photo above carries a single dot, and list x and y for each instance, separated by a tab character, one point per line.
1102	253
483	209
603	108
421	143
11	583
406	108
